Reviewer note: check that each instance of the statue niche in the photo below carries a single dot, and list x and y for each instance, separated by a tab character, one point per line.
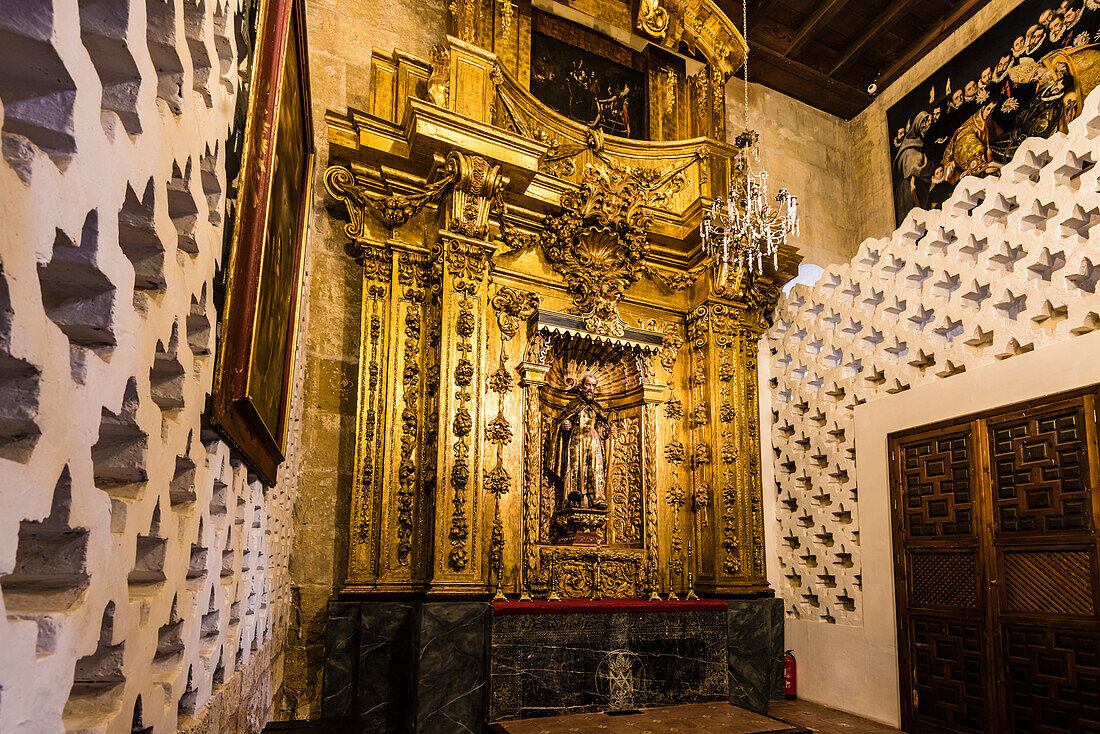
592	490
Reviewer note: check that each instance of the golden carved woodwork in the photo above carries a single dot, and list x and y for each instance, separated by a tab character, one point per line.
652	18
624	489
505	253
593	573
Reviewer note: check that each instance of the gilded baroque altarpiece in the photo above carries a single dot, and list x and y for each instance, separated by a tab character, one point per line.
508	253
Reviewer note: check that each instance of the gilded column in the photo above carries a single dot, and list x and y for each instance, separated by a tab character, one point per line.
725	460
532	371
461	261
369	485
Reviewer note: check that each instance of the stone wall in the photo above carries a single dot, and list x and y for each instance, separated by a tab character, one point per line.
809	153
341	37
143	568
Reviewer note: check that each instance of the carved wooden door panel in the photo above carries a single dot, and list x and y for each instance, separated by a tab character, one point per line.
943	637
996	569
1045	572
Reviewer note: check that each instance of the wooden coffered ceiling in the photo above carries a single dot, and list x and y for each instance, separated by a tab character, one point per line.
826	52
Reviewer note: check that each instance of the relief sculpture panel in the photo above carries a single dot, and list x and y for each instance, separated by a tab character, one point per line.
626	483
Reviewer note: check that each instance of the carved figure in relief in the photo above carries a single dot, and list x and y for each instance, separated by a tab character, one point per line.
576	458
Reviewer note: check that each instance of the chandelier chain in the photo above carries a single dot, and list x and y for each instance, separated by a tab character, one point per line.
745	64
743	228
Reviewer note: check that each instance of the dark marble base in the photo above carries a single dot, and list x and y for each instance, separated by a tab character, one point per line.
755	638
553	664
416	666
452	681
407	666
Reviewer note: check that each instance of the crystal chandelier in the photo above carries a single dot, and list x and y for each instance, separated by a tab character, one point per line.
744	229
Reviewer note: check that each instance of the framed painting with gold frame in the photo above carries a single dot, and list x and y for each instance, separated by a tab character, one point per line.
254	375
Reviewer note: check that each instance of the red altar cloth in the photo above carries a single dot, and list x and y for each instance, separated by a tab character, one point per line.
604	606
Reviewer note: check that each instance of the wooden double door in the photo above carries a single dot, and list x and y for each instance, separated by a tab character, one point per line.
995	545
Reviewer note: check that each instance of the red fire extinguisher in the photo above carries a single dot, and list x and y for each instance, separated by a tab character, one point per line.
790	676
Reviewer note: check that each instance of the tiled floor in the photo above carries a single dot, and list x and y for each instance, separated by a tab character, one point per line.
699	718
704	718
825	720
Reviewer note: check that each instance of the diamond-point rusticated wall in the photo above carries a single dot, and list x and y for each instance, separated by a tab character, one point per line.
1008	265
143	568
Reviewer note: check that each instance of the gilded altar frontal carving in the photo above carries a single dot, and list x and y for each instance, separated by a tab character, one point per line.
556	400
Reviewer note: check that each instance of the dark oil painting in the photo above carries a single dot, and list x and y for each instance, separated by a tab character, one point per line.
1027	76
276	308
587	87
252	382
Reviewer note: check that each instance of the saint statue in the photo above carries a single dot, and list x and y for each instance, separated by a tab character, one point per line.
576	456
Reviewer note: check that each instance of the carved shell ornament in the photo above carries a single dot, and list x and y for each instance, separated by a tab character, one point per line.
599	243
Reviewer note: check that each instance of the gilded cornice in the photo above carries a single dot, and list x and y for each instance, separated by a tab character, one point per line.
542	153
701	25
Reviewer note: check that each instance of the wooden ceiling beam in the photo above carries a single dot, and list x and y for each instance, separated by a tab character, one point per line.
934	37
805	84
882	24
817	20
757	12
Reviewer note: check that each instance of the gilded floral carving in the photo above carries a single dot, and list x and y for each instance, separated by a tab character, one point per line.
463	422
464	372
497	480
512	307
499	430
500	379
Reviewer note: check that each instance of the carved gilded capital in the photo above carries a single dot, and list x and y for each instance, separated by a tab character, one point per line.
475	186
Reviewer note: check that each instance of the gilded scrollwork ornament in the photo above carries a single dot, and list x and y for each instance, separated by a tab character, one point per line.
652	18
476	184
467	261
598	243
473	182
675	280
390	208
512	308
671	343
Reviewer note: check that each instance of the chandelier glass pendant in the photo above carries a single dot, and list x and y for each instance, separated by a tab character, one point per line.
742	230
